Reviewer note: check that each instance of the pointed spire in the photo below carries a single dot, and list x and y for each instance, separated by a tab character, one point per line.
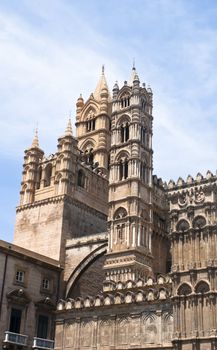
134	75
68	131
102	85
35	142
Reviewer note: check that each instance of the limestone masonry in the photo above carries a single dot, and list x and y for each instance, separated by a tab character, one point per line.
117	259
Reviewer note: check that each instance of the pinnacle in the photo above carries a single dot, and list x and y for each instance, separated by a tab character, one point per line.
134	76
69	128
102	85
35	142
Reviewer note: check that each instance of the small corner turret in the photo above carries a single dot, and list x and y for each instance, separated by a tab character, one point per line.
33	156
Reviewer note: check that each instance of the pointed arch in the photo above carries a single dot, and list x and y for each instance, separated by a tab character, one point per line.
120	213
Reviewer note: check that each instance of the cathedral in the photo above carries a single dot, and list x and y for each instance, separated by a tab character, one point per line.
105	254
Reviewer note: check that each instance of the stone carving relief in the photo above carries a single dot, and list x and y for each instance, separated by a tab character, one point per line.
134	330
104	333
189	197
90	114
182	199
150	329
122	331
86	333
167	327
199	196
69	339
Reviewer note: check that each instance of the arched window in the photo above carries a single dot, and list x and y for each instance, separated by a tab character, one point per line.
143	104
184	289
199	222
143	135
90	125
123	169
120	232
90	121
39	174
81	179
48	174
120	213
125	101
202	287
124	132
90	156
143	172
182	225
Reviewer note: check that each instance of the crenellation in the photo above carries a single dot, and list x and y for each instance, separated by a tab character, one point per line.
146	293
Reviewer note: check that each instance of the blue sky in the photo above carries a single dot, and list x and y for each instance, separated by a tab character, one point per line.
53	50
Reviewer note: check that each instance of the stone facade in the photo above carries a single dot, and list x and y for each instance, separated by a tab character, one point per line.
139	256
29	291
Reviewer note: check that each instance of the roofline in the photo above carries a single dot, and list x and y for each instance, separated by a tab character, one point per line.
25	254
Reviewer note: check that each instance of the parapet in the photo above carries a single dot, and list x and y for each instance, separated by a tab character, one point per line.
123	293
190	181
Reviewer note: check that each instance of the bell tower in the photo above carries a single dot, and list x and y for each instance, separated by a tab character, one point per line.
130	183
93	125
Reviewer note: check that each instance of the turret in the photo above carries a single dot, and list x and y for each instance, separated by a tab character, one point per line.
33	155
79	106
65	163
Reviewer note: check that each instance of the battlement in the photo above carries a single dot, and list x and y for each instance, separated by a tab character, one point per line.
171	185
123	293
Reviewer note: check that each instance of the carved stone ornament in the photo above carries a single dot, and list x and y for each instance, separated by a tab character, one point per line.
182	199
90	114
199	196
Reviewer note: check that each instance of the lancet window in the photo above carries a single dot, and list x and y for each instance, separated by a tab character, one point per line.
120	232
143	135
123	169
48	174
124	132
39	175
143	172
143	104
81	179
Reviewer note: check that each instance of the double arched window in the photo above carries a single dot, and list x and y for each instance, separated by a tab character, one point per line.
123	169
125	101
90	125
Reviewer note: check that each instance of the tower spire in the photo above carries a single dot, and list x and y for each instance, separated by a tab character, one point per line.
102	84
35	142
134	67
69	128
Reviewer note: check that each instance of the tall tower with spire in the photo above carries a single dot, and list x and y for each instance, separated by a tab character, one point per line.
130	183
93	125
